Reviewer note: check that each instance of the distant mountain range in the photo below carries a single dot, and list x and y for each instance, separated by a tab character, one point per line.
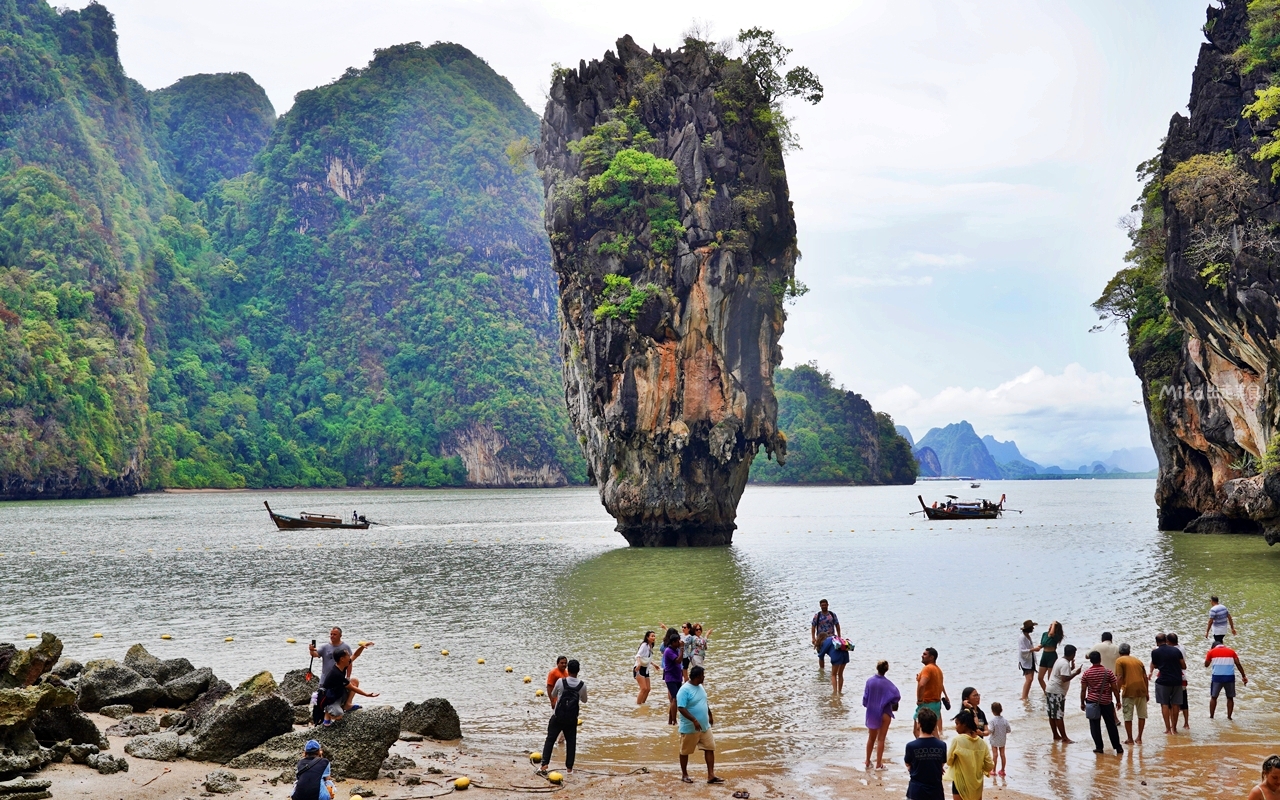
957	450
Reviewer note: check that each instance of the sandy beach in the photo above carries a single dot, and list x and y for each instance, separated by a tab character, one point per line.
490	773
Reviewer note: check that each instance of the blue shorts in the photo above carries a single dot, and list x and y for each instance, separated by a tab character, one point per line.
1218	686
673	688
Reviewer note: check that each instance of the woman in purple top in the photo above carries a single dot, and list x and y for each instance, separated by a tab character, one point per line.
672	669
881	699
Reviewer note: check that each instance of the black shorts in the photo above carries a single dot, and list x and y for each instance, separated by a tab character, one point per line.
640	672
1025	671
673	688
684	662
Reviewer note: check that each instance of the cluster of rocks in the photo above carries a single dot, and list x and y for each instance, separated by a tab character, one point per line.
44	699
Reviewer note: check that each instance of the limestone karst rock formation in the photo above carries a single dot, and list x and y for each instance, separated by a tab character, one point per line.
675	246
1201	298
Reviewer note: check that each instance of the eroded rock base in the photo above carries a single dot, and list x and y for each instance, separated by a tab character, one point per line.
670	535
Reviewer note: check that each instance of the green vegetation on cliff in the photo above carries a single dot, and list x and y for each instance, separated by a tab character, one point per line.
833	435
372	297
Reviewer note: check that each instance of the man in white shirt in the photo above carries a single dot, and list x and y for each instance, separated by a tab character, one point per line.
1060	675
1109	651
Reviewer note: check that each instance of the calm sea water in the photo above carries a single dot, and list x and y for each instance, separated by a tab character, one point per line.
518	577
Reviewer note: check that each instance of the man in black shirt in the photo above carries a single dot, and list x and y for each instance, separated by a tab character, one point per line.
926	757
339	690
312	771
1168	661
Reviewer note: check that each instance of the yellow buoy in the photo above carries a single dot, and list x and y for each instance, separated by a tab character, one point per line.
462	783
361	644
535	757
444	652
417	645
32	636
479	660
165	636
291	640
539	693
509	669
555	777
97	636
579	720
527	679
229	639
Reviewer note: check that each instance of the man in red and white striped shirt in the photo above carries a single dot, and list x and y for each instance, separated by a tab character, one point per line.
1098	687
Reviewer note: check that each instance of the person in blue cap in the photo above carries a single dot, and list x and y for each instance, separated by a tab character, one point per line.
313	773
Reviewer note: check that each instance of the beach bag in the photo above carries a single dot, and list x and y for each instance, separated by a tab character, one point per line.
327	790
1092	711
567	707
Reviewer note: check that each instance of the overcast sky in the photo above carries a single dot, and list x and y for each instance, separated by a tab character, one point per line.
957	193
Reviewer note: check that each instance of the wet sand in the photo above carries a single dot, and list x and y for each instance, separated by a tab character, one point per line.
508	774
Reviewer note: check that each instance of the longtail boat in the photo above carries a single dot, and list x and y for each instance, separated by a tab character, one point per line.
308	520
956	509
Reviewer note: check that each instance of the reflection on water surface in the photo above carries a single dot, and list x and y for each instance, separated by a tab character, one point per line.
518	577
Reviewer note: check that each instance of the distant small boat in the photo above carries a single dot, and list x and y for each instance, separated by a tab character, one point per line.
309	520
975	486
956	509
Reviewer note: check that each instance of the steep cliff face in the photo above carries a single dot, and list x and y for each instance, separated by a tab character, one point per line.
673	238
1208	243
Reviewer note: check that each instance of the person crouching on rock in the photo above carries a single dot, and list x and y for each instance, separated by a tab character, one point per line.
313	775
339	690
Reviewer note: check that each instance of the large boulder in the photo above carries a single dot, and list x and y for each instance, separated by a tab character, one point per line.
20	751
135	725
24	667
435	719
163	671
221	781
67	668
356	745
187	687
107	682
67	724
240	721
298	684
155	747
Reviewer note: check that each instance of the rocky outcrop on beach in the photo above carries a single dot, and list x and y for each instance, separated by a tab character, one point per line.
1201	297
674	243
434	718
250	715
25	697
356	744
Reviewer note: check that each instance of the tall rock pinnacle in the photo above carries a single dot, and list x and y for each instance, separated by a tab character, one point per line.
675	245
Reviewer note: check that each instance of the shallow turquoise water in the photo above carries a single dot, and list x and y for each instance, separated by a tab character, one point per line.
517	577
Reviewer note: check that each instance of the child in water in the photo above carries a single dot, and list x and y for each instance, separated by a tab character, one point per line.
1000	728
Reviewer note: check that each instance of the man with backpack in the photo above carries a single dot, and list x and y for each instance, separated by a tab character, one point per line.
567	694
313	779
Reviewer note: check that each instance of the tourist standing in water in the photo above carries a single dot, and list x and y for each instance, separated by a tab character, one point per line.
1097	686
1027	657
672	674
1225	662
1185	705
561	670
880	697
1108	650
930	689
926	757
838	650
1220	621
969	700
1049	641
1135	692
1055	696
1168	662
696	720
699	652
825	623
969	759
644	657
1000	730
1269	789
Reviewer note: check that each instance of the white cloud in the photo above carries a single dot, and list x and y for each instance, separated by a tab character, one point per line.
867	282
1069	417
918	259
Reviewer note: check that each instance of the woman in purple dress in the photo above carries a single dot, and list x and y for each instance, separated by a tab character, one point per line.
881	699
